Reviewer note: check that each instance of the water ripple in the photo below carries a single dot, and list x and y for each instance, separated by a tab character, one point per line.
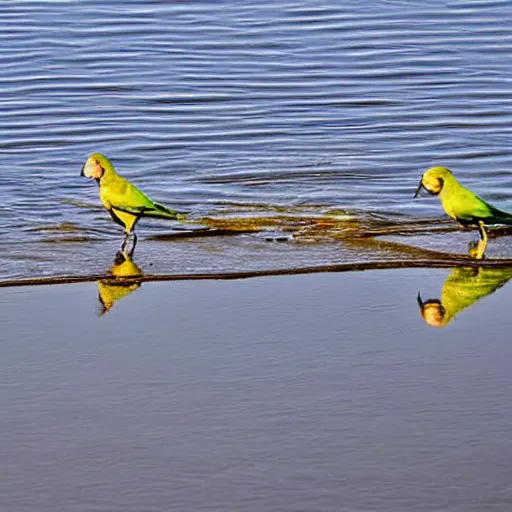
343	105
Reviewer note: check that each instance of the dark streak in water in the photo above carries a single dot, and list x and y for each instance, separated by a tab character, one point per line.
444	262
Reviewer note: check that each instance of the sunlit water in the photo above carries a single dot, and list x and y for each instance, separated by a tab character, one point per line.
223	105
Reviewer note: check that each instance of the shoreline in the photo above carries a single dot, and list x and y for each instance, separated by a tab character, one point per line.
448	262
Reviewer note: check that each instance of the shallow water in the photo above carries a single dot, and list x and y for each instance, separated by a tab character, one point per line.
214	106
325	392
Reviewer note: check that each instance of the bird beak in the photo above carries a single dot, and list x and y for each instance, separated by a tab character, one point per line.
82	173
420	301
418	190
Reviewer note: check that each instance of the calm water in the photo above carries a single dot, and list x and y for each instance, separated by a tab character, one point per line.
315	393
224	105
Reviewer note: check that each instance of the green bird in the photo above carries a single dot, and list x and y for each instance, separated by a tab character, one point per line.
463	287
462	204
124	201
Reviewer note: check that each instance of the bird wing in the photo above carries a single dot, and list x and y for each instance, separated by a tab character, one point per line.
471	208
133	201
157	210
124	196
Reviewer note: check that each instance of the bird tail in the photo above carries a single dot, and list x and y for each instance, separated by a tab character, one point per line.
501	217
502	221
162	212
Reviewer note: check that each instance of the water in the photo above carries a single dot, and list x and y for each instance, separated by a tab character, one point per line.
210	106
325	392
288	130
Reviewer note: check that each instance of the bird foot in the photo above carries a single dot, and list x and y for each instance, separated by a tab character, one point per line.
476	249
120	257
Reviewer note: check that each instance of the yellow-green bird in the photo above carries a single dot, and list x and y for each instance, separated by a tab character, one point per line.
462	204
124	201
463	287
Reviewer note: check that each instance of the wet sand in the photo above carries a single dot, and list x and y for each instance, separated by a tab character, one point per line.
314	392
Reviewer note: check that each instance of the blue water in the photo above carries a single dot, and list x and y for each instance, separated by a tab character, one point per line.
325	392
208	104
317	393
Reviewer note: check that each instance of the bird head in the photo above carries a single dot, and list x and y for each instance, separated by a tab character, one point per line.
433	180
432	312
96	166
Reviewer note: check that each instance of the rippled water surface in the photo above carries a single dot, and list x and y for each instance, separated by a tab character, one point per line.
214	106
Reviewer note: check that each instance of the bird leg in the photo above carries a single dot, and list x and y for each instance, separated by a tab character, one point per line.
477	250
130	254
126	237
481	230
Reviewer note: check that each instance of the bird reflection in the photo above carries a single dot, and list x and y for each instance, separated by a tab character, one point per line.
112	290
462	288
